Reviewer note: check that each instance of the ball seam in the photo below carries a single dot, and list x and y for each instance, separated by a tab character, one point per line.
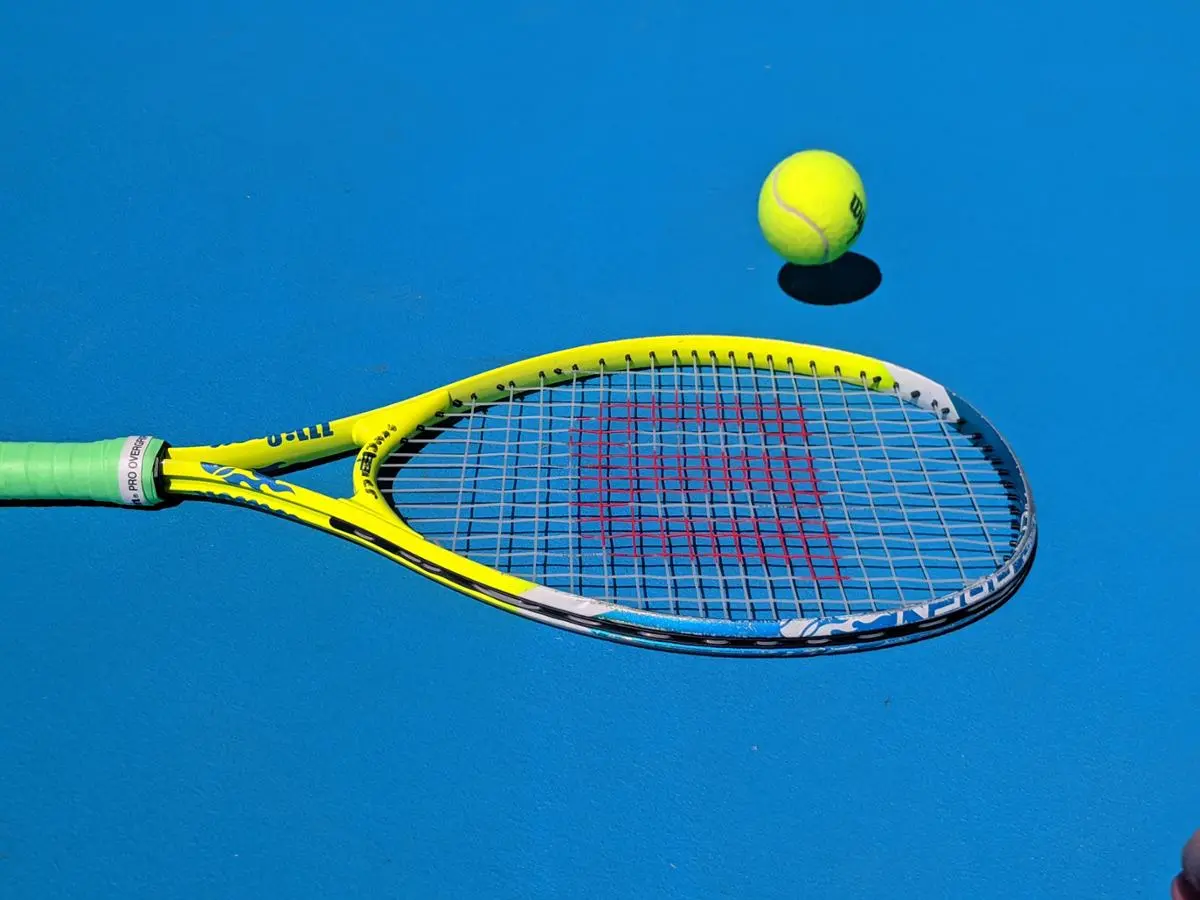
783	204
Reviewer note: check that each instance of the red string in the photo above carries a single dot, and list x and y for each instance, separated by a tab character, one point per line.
652	476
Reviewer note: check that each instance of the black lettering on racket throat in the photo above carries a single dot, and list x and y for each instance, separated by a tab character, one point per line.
307	433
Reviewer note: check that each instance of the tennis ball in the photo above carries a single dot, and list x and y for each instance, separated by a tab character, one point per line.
812	207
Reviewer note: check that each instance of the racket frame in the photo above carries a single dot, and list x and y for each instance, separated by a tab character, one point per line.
247	473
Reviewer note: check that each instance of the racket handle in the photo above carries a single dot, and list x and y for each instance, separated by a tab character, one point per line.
121	471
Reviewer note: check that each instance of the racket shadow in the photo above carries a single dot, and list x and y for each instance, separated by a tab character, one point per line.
848	279
977	615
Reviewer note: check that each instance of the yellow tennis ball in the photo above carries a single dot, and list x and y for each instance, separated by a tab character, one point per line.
812	207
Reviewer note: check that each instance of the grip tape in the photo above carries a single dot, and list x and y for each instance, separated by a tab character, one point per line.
120	471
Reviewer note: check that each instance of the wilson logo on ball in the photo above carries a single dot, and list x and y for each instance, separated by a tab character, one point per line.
859	212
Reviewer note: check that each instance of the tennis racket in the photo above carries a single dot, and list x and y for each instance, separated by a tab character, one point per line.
715	495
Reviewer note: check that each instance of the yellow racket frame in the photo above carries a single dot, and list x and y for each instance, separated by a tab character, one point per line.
246	472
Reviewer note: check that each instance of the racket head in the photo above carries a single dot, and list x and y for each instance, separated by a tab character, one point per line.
705	494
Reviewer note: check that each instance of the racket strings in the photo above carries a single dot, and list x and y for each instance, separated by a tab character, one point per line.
697	489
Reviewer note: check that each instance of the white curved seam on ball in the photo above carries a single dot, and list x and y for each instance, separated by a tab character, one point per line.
799	215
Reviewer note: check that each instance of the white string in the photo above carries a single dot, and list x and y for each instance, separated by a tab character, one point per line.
911	507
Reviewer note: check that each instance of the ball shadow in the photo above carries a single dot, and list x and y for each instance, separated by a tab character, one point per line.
847	279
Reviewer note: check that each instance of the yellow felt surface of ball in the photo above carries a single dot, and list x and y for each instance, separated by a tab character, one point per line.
812	207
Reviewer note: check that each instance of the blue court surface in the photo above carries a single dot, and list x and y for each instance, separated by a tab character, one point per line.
221	221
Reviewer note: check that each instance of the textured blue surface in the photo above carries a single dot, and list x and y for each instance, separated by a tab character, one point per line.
225	221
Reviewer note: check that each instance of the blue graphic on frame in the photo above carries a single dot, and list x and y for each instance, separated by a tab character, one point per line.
243	478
